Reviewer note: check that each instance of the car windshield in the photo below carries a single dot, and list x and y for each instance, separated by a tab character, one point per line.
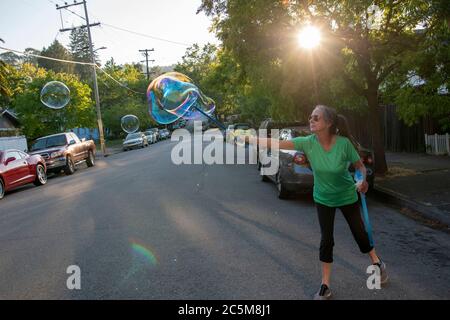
133	136
49	142
148	132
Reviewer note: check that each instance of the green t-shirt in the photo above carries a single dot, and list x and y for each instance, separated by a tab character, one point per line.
333	184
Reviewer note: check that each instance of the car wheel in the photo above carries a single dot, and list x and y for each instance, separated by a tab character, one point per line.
282	192
70	167
90	161
2	189
41	175
264	178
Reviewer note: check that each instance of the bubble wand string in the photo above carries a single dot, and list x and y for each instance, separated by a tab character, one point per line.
359	178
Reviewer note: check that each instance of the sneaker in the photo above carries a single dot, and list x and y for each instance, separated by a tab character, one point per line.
324	293
383	273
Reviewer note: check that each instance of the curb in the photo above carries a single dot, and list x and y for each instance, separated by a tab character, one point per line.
426	211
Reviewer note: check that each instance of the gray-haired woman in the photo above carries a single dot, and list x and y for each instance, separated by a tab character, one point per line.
330	149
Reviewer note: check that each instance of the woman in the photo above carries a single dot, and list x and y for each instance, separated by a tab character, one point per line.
330	149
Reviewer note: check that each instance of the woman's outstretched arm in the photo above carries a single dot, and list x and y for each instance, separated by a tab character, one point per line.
268	143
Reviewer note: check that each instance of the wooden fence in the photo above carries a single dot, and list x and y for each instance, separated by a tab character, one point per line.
397	136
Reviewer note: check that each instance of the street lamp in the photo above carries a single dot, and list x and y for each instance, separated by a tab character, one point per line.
309	37
101	48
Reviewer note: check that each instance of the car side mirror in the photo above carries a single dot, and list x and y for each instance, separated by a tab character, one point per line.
10	159
71	142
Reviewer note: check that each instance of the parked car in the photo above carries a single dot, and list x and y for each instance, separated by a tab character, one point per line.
164	133
64	151
156	131
18	168
294	173
151	136
135	140
235	130
168	133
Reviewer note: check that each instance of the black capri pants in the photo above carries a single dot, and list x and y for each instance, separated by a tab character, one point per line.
352	214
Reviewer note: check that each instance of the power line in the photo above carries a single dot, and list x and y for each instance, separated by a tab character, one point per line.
74	62
119	83
146	35
47	58
68	10
130	31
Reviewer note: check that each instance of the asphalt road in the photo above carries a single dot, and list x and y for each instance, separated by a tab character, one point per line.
140	227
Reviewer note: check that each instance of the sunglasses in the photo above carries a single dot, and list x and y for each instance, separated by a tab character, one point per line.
314	118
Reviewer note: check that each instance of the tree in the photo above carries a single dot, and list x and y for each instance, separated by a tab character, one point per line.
356	57
420	86
58	51
29	58
10	58
79	48
5	86
126	97
38	120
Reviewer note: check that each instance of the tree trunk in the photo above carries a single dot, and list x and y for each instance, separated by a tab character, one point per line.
377	133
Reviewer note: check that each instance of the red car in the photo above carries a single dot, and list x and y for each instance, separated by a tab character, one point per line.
18	168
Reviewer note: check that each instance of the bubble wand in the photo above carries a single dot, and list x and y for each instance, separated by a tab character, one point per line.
359	179
219	124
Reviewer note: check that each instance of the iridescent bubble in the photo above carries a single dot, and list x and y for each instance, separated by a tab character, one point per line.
55	95
173	96
129	123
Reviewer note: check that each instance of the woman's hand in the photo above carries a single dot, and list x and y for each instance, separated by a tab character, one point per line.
362	186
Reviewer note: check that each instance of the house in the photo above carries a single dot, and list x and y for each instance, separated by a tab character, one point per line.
9	123
9	131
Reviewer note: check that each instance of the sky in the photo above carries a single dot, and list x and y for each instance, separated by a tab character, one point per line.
36	24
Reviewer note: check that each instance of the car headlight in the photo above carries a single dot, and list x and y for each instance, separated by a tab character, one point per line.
56	154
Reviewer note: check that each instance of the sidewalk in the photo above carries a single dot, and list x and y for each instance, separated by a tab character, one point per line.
418	182
109	150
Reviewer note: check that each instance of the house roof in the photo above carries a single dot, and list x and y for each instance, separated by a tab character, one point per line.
11	115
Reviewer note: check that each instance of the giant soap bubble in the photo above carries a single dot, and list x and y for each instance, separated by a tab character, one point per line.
173	96
55	95
129	123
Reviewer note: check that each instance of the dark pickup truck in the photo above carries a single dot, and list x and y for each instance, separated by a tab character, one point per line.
63	151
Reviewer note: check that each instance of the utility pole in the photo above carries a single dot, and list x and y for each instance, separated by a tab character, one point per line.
91	49
145	53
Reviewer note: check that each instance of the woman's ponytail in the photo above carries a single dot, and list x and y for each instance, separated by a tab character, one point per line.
343	129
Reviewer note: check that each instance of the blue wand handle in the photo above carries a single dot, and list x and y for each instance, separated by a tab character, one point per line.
359	177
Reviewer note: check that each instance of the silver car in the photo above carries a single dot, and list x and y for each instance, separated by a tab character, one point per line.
294	175
151	136
135	140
